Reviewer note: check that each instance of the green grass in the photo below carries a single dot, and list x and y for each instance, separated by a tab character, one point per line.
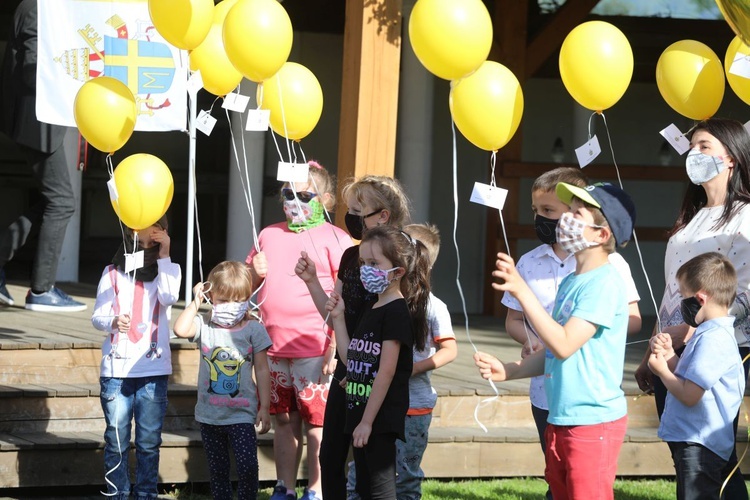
495	489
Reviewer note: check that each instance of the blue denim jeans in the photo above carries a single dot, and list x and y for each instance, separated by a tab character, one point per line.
699	471
124	399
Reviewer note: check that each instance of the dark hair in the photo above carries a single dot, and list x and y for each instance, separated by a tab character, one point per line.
404	251
569	175
713	273
736	141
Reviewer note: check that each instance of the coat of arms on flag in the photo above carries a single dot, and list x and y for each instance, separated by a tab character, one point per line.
83	39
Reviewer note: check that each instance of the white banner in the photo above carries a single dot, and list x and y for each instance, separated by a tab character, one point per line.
82	39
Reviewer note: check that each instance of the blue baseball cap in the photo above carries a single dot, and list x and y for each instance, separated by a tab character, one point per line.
615	204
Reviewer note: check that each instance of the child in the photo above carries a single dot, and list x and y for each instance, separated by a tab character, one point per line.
440	350
585	343
378	356
136	361
543	268
372	200
302	356
233	348
706	383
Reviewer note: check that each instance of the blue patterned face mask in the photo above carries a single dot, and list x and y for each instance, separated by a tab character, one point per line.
702	167
373	279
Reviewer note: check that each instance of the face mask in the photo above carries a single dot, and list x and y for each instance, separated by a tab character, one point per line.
545	229
301	216
689	308
355	224
228	314
570	234
702	167
373	279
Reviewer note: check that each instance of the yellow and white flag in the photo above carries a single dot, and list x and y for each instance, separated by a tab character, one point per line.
83	39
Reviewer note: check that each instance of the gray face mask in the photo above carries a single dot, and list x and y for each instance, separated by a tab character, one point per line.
702	167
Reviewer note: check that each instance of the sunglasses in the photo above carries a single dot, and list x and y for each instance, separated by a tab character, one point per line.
304	196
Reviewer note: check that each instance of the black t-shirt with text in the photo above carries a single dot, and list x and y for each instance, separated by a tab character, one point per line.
389	322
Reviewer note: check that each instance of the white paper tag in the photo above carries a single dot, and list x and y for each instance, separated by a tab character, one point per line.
588	152
235	102
205	122
676	139
484	194
292	172
257	120
195	83
740	66
112	190
133	261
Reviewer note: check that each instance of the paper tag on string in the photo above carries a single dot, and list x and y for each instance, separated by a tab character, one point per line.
676	139
195	83
133	261
292	172
112	190
740	66
257	120
205	122
588	152
235	102
491	196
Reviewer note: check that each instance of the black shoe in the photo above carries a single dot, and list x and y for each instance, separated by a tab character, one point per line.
53	301
5	297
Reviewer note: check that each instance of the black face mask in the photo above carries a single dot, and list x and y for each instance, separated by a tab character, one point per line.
355	224
545	229
689	308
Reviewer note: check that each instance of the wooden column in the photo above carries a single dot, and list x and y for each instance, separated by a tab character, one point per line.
509	49
369	96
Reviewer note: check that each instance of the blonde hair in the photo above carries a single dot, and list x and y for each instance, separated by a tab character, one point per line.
324	183
381	193
230	280
713	273
429	235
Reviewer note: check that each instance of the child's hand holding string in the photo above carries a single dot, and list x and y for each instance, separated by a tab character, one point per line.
121	323
530	347
489	366
305	268
658	364
335	305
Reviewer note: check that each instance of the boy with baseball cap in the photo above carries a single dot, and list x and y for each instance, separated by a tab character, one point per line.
585	343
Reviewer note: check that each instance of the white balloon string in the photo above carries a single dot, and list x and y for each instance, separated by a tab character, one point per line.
458	276
198	224
635	236
283	118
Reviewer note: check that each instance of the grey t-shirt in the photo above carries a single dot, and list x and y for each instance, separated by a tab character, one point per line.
226	390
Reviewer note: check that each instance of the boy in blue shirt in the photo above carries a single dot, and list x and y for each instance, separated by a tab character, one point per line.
706	383
584	339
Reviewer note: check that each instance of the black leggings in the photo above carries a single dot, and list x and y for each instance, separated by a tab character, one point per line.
334	446
376	468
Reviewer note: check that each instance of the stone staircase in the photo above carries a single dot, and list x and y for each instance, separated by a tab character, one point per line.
51	424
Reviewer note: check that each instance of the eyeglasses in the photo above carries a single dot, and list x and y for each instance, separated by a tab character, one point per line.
304	196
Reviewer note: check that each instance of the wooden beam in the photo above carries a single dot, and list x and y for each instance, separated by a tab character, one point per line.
551	37
369	96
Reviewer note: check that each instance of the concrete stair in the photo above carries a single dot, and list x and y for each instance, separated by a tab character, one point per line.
51	426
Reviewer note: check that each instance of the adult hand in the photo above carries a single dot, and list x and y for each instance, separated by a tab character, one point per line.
260	264
644	377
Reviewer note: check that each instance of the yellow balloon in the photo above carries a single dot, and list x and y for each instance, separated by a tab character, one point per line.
690	78
144	188
218	73
451	39
737	15
596	64
297	105
740	85
258	38
105	111
487	106
183	23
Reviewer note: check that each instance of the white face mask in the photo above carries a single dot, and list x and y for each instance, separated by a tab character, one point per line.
228	314
702	167
570	234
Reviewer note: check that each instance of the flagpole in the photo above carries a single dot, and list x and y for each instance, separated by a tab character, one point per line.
192	98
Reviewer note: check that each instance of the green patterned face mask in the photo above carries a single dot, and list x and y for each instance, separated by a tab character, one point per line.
302	216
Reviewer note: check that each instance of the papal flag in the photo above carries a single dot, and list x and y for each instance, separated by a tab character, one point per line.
83	39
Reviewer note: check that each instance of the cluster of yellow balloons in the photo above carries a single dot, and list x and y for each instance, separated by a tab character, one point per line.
144	190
